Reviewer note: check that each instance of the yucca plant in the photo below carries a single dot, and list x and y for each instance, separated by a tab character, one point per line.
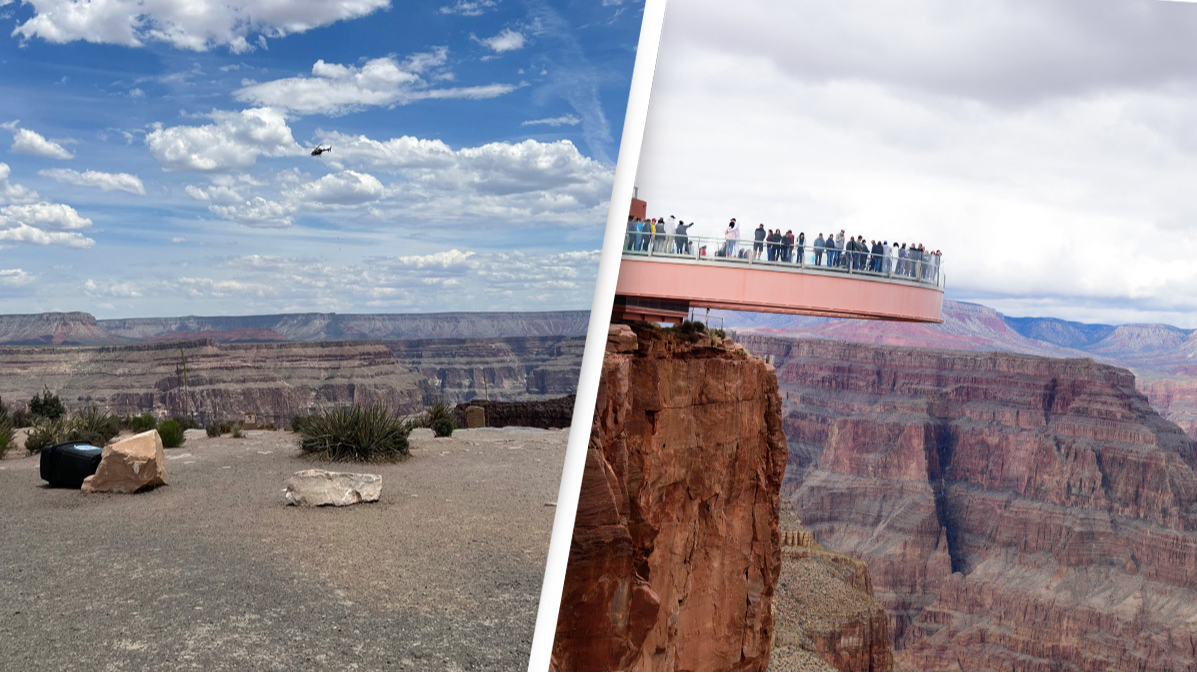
93	426
6	430
47	432
355	433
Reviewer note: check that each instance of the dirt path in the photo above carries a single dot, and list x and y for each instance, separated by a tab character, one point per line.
215	572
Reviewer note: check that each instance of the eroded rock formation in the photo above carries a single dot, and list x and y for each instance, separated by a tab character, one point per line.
824	609
1015	512
675	550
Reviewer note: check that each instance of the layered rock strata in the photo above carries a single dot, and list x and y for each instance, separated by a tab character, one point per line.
1016	512
824	609
210	381
675	550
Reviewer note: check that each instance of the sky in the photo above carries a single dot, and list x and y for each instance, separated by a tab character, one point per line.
1047	147
155	154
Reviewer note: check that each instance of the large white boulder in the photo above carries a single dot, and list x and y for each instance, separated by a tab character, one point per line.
129	465
312	488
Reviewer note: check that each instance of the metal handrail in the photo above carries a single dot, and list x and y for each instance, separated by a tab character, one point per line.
927	269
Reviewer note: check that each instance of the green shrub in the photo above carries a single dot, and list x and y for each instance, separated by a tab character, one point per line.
47	432
143	423
443	427
355	433
171	433
235	428
439	410
186	423
21	418
226	427
47	405
93	426
297	423
213	429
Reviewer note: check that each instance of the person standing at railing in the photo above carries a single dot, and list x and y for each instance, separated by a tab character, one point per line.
683	240
758	241
889	257
630	243
818	249
731	236
787	246
839	247
799	251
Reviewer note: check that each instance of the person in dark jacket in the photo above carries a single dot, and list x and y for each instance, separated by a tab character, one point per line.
801	249
787	246
682	240
877	252
818	250
759	236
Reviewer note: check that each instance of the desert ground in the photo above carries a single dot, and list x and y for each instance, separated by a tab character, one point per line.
216	572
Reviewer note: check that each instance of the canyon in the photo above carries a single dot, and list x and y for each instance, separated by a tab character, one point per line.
1163	358
1015	512
272	382
83	329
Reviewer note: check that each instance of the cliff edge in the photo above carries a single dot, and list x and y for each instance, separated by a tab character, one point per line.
676	550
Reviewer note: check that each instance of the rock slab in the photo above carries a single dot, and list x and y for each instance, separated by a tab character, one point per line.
313	488
475	417
675	551
129	465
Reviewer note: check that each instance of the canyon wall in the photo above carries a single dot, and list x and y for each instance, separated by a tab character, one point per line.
1015	512
675	549
82	329
1161	357
271	382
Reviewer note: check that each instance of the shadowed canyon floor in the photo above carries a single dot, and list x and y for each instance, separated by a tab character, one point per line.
215	572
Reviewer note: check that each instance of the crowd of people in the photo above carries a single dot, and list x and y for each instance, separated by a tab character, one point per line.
835	251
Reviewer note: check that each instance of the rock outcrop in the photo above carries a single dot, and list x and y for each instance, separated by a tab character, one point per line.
675	550
133	464
825	613
1015	512
316	488
547	414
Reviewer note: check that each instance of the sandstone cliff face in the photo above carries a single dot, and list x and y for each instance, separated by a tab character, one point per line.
1015	512
513	368
675	550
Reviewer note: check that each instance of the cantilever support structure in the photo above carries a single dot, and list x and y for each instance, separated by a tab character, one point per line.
662	289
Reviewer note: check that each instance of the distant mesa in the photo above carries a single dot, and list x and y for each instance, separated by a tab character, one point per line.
83	329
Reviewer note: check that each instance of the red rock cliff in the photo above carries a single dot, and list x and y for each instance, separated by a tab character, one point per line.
1015	512
676	550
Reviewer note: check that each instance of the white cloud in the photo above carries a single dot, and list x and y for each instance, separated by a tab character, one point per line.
506	40
16	277
25	141
13	193
196	25
445	260
109	288
563	120
257	212
347	188
44	215
470	7
508	184
234	140
123	182
336	89
23	233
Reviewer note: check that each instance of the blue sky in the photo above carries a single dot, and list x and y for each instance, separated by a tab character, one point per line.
158	163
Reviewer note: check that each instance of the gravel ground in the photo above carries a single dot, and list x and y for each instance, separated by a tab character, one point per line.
215	572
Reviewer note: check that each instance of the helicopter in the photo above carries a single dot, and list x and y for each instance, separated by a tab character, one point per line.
321	150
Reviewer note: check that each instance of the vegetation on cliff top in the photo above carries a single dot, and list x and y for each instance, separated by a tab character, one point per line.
355	433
